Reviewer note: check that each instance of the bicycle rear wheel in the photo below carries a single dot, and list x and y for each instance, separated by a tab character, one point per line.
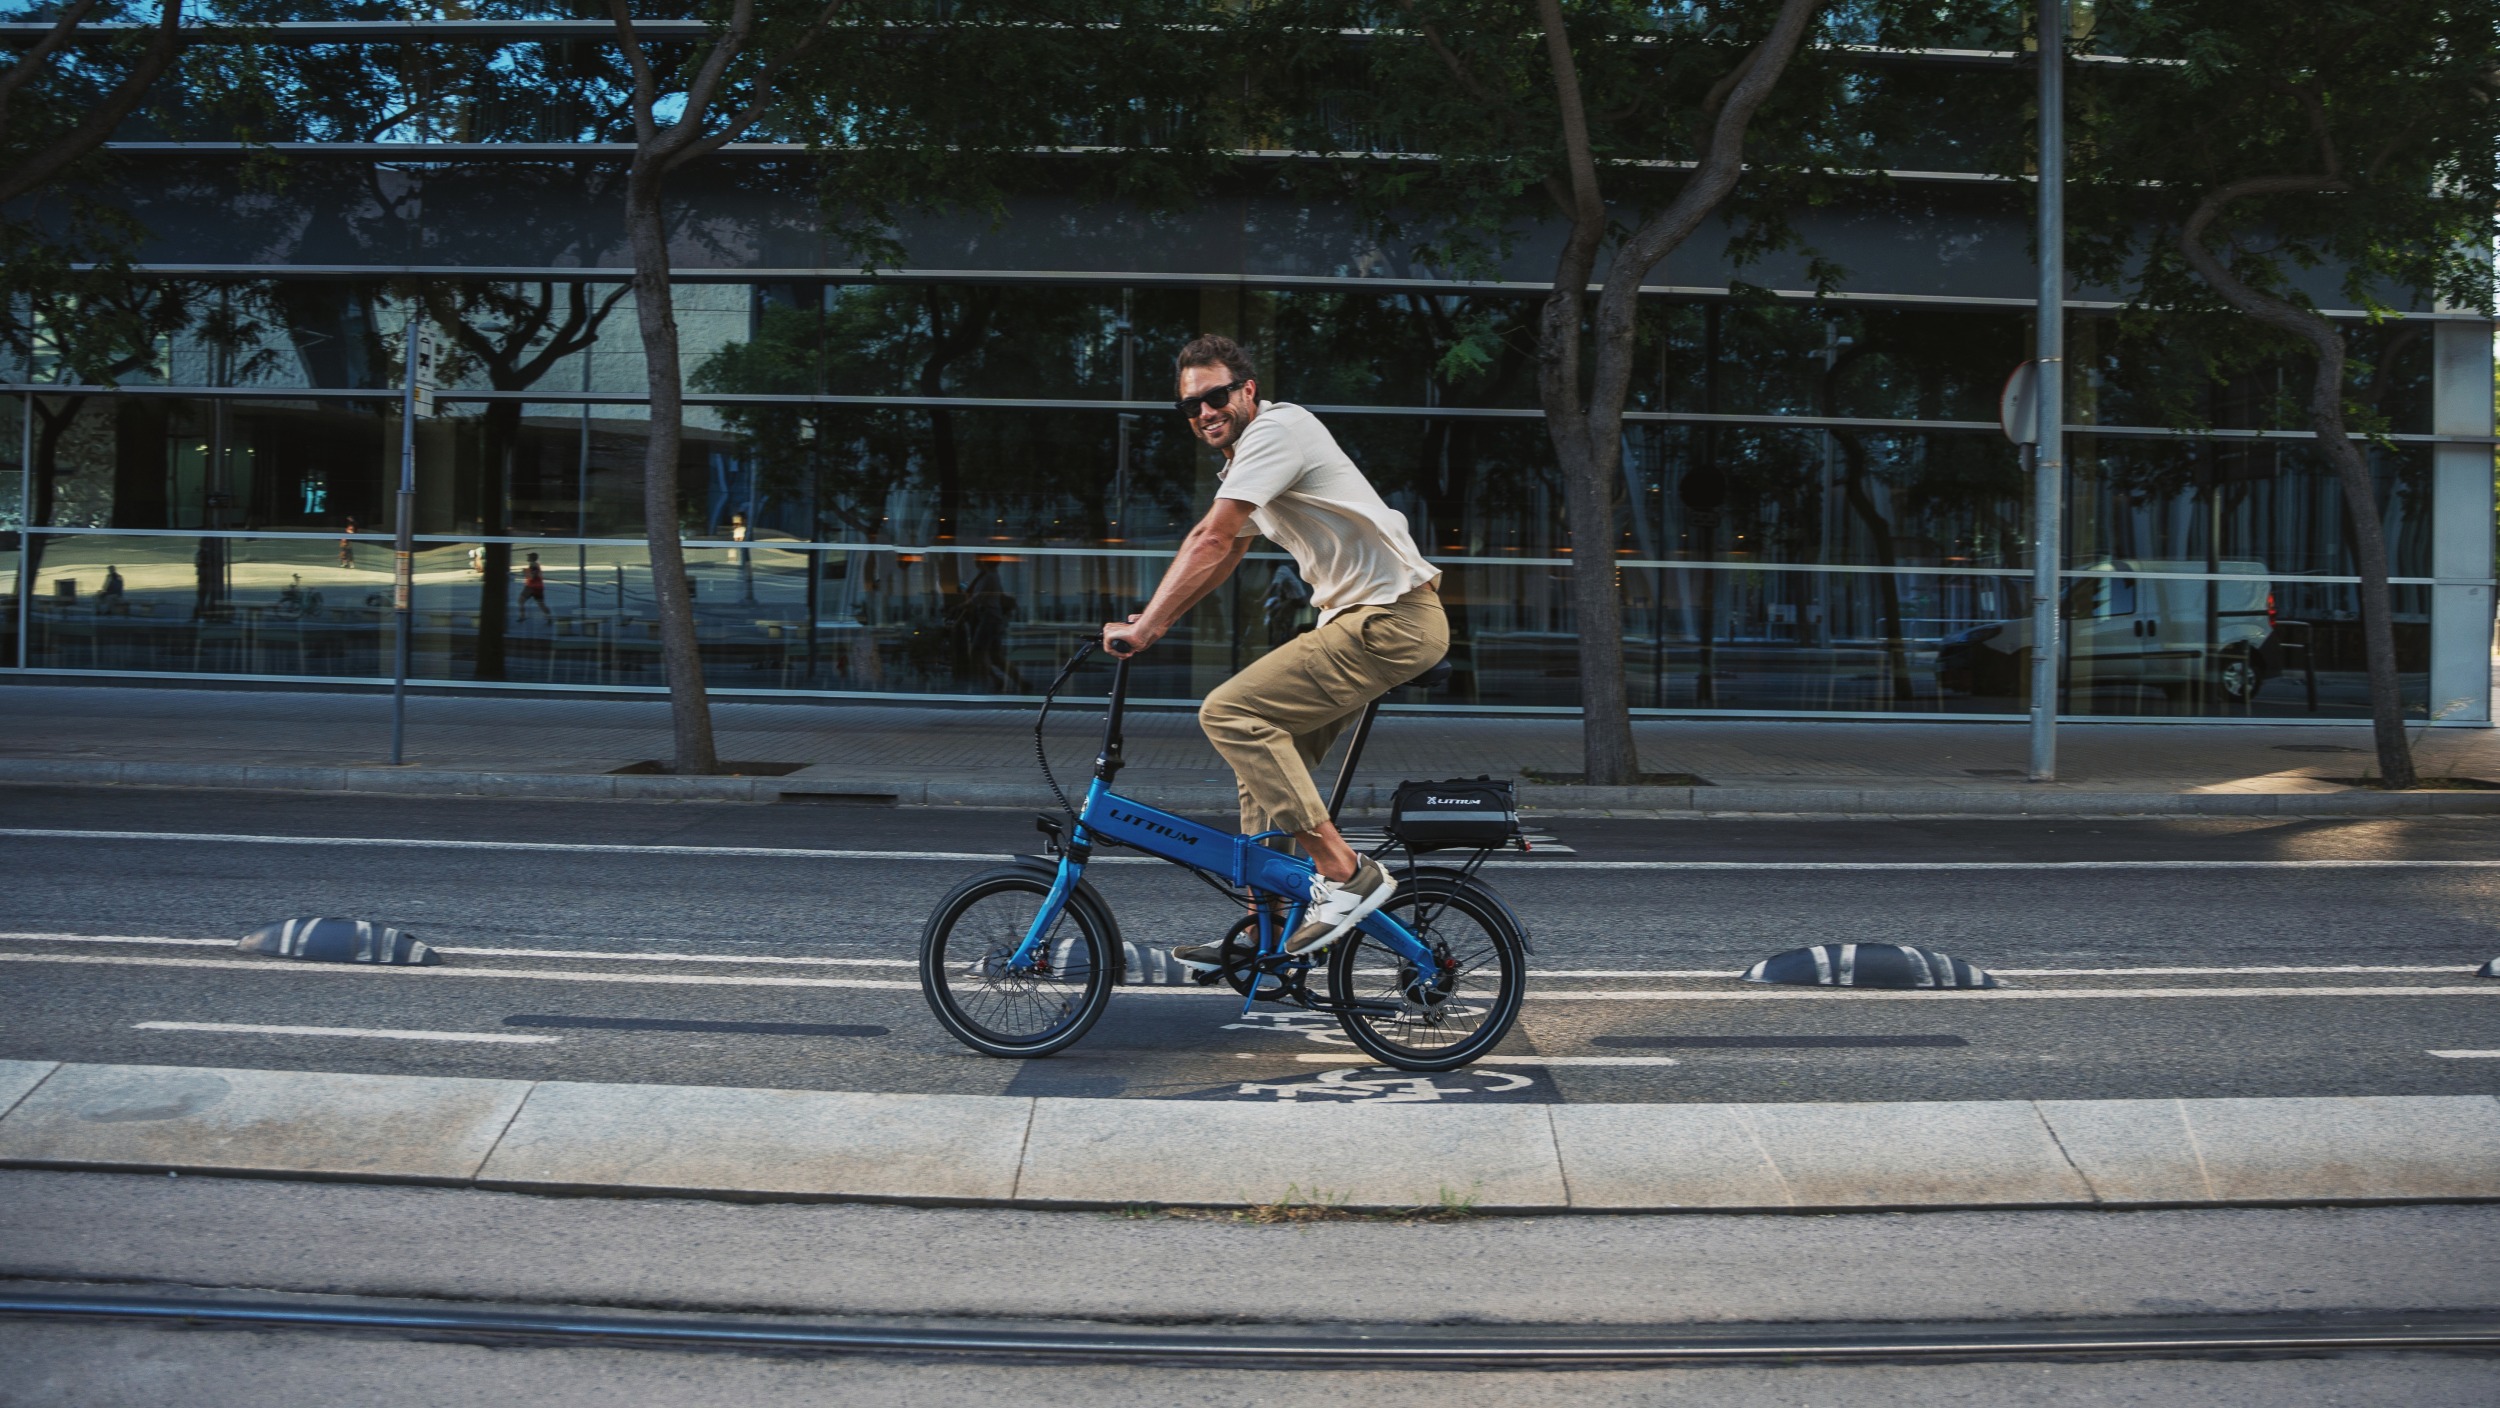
964	974
1437	1021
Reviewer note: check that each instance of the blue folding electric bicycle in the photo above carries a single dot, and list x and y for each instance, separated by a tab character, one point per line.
1020	961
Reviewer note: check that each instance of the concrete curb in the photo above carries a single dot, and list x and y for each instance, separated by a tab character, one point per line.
1007	1151
2013	799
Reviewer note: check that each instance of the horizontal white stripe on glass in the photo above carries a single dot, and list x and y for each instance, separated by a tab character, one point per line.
445	541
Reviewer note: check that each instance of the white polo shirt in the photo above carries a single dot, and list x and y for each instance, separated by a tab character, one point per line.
1309	499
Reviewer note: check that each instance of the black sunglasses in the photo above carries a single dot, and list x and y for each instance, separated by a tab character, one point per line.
1212	398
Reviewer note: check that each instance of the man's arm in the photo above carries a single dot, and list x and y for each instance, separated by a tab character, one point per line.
1207	556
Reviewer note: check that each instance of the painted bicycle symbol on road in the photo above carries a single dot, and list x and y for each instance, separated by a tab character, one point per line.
1385	1086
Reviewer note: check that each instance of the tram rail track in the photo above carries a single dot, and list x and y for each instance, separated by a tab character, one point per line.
1439	1347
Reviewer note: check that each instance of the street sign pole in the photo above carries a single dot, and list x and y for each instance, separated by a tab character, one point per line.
2049	457
403	556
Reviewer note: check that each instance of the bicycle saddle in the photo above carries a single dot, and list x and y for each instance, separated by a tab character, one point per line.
1433	678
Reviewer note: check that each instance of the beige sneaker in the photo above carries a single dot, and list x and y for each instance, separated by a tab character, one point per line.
1336	908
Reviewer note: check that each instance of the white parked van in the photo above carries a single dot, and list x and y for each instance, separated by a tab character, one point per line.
2173	633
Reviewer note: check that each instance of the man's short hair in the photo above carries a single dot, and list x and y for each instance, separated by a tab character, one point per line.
1215	350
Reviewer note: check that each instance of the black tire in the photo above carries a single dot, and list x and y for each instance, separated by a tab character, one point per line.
971	933
1444	1024
2237	679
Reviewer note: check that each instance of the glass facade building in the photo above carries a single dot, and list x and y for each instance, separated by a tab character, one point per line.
931	481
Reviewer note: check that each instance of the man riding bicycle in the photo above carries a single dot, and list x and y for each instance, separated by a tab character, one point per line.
1380	621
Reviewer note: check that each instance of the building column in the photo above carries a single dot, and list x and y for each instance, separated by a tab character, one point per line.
2461	524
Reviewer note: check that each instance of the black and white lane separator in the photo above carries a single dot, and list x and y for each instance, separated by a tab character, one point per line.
1869	966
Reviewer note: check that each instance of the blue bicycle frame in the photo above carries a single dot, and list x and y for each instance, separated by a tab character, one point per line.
1108	818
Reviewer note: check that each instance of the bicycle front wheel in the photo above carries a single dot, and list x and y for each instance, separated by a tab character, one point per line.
1418	1020
991	1008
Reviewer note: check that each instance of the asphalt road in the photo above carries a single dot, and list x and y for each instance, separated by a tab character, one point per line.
2323	957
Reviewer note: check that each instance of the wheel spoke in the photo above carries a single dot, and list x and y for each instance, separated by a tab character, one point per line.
967	965
1446	1017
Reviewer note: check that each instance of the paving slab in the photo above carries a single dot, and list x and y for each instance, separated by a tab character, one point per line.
2371	1147
790	1143
1113	1152
1623	1157
2131	1151
2387	1146
17	1078
403	1128
1914	1153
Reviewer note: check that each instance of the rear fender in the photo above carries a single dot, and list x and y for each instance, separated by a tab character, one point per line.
1518	926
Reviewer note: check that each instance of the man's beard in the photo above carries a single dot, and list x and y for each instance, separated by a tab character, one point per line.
1231	425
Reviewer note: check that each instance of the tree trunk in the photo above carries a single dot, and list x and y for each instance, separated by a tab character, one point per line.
2352	469
43	490
690	714
2369	542
1590	470
1586	419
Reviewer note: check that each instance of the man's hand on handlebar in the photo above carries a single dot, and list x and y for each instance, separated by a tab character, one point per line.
1128	637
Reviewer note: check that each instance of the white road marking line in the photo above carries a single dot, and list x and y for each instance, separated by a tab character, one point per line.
1611	972
1912	866
1354	1058
703	957
2004	994
803	853
563	975
256	1029
37	833
120	939
491	951
547	975
2254	968
2468	1055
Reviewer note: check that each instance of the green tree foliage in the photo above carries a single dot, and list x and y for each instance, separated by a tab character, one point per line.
1460	126
909	107
2253	164
64	245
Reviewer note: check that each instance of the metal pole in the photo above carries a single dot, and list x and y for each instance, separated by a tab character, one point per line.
25	524
404	544
2049	461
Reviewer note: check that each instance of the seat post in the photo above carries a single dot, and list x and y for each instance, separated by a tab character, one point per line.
1353	759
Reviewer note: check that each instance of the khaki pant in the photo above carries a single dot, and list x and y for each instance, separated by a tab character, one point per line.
1272	721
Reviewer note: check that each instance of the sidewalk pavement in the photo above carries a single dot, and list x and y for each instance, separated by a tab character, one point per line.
564	1137
512	746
